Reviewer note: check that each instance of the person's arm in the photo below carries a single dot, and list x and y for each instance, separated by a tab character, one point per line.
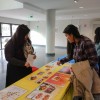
91	53
9	55
64	60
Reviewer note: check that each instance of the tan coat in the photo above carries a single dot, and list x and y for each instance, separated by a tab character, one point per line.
86	81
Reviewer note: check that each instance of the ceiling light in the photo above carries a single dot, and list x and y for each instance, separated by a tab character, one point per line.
76	1
81	7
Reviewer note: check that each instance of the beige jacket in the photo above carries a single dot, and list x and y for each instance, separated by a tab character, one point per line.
89	79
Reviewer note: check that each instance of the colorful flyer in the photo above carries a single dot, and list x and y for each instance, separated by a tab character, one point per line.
66	70
52	65
39	80
40	73
59	79
37	95
11	93
33	77
45	91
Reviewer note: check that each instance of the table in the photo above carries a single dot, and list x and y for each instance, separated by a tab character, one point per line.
44	76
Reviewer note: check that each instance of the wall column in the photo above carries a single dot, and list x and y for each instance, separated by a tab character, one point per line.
50	36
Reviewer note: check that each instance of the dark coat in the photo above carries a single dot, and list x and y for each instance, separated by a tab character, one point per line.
16	61
99	64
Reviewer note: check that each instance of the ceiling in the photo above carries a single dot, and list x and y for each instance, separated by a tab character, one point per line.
30	10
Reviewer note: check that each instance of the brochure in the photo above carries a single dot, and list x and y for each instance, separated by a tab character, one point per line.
11	93
66	70
45	91
59	79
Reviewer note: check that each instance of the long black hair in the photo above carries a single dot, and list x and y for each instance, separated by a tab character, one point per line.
97	35
70	50
71	29
19	36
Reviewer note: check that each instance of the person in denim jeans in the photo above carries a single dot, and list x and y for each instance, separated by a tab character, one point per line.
79	48
97	44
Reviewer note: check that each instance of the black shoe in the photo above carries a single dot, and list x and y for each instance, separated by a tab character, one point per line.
77	98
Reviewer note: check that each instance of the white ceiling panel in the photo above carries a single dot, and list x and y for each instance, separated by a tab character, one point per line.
65	9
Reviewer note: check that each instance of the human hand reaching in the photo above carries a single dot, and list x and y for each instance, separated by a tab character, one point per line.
27	64
58	62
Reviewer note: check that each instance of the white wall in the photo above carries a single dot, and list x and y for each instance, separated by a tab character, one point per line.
38	37
14	21
38	29
86	28
60	39
38	32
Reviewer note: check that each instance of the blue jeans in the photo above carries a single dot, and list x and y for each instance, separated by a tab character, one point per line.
99	64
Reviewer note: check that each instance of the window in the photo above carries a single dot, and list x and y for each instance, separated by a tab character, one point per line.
5	30
4	40
14	27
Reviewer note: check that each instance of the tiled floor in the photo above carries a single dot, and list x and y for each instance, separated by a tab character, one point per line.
41	60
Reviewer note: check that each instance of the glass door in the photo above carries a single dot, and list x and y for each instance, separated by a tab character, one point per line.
6	31
5	34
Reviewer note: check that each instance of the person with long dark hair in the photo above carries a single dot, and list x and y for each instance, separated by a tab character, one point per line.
16	53
80	48
97	44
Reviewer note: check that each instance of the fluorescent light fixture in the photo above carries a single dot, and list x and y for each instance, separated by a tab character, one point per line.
76	1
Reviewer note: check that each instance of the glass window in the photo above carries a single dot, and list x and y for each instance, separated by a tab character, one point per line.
4	40
0	43
14	27
5	30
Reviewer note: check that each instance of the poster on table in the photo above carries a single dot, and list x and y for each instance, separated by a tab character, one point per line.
59	79
52	65
11	93
45	91
66	70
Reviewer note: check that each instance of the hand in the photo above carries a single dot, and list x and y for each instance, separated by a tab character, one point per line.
58	63
27	64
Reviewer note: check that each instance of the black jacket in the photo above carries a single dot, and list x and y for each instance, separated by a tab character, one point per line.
16	61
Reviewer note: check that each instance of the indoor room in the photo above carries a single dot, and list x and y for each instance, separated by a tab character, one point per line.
45	22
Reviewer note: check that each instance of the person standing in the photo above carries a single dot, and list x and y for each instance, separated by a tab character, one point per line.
97	44
16	53
80	48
